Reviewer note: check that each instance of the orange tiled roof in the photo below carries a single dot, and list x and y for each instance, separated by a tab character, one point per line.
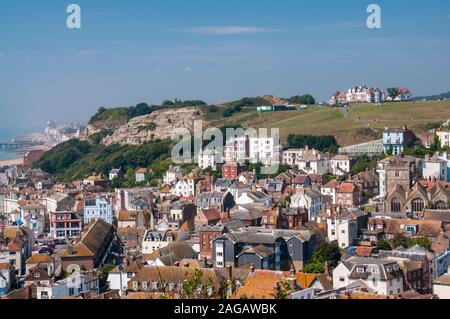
305	280
38	258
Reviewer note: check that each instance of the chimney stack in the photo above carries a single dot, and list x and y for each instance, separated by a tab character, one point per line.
70	250
230	271
252	268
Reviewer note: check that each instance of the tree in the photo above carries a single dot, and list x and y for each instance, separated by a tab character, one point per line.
321	143
284	290
393	92
102	274
97	115
228	112
436	146
303	99
362	163
167	103
424	242
237	108
400	240
194	287
383	245
325	253
213	109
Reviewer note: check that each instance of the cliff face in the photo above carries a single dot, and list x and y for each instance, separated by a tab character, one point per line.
100	126
157	125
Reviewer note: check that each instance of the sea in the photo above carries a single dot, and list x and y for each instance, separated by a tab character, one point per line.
7	134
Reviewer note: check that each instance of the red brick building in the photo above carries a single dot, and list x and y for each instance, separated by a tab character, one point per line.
348	195
232	170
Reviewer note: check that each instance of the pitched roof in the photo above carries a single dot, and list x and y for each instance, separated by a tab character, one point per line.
38	258
91	241
426	228
439	215
331	184
174	252
348	188
211	214
260	250
260	284
176	275
443	280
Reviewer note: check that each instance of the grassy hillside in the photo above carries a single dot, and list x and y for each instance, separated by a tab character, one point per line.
364	122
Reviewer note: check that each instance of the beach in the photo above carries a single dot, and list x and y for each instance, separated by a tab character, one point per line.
11	162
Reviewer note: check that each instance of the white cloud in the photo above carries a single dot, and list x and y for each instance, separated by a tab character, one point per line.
187	68
227	30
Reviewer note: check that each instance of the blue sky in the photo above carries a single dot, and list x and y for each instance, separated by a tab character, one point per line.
148	50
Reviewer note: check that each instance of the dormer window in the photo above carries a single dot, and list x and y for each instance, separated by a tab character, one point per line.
144	285
37	275
154	285
135	285
360	270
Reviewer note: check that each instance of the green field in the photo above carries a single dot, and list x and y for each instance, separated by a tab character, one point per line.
364	122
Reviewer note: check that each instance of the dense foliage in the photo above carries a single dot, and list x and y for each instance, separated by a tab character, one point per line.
74	160
321	143
96	138
302	99
393	92
179	103
363	163
400	240
324	254
63	156
141	109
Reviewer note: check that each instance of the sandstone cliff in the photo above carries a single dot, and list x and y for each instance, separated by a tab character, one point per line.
157	125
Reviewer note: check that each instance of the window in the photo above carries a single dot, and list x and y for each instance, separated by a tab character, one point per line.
396	206
144	285
441	205
341	279
135	285
71	291
44	295
418	205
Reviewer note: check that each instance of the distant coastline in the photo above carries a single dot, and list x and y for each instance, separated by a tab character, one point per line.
11	162
8	158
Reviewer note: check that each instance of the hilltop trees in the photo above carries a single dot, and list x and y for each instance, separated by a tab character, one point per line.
321	143
393	92
302	99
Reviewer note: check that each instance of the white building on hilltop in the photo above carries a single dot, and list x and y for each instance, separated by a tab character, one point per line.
359	94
